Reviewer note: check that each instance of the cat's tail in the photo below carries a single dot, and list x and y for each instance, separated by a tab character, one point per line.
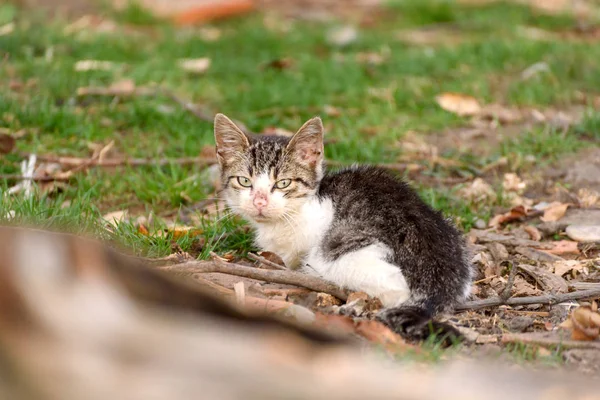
414	321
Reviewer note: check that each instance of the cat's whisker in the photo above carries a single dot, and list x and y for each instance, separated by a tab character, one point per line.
290	221
224	217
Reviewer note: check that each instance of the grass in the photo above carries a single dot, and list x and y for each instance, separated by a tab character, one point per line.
378	103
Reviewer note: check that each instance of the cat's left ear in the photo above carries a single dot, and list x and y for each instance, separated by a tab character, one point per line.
307	144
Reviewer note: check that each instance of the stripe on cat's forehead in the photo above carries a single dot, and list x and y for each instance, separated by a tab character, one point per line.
266	156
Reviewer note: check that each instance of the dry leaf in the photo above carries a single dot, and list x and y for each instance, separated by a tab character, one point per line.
584	323
376	332
280	64
563	247
371	58
178	232
195	12
496	112
478	191
514	214
512	183
125	87
566	266
588	197
522	288
93	65
460	104
331	111
195	65
7	28
143	230
209	34
554	211
342	36
548	281
7	143
115	217
533	232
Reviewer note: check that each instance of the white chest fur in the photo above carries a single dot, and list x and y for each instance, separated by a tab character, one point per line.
293	238
298	242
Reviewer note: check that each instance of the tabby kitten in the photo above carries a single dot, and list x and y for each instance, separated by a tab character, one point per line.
361	227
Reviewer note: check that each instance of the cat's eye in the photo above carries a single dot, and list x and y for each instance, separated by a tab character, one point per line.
282	184
245	182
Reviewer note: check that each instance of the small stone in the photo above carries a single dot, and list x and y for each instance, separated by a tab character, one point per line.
584	233
480	224
520	323
498	251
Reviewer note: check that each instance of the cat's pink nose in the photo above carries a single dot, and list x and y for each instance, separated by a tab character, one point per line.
260	201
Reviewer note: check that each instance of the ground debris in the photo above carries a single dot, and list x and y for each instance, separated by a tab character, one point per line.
584	323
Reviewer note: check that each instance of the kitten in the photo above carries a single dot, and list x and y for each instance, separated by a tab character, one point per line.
361	227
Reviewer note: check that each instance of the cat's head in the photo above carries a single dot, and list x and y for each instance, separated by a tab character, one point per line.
267	178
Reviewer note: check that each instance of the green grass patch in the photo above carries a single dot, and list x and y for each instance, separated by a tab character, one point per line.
377	102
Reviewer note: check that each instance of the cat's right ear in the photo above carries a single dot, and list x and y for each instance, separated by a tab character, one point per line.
307	143
229	138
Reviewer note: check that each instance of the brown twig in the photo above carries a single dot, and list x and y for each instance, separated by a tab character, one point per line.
284	277
535	339
506	293
520	301
260	259
19	177
117	162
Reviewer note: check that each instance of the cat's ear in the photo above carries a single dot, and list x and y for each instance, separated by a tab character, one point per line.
307	144
229	138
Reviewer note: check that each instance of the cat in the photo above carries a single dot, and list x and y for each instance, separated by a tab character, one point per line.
361	227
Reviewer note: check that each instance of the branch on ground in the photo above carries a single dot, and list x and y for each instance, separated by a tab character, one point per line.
547	299
274	276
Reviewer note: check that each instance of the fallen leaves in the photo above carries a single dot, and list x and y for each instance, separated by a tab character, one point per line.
7	143
478	191
564	267
513	183
460	104
195	65
279	64
177	232
125	87
515	214
561	247
588	198
7	29
584	323
522	288
93	65
115	217
342	36
554	211
370	330
533	232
